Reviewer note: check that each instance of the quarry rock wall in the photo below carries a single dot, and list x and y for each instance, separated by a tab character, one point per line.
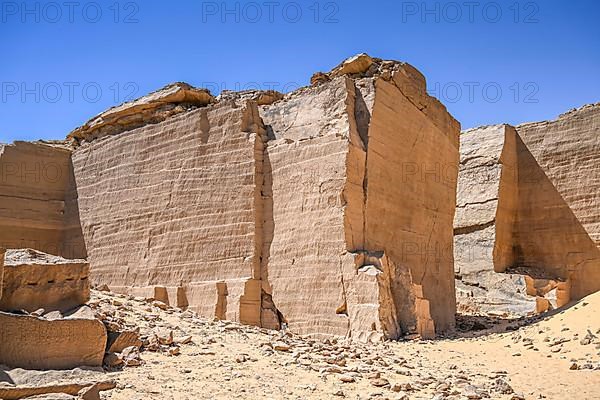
567	150
360	199
262	215
306	162
485	220
412	168
329	210
170	207
558	226
518	216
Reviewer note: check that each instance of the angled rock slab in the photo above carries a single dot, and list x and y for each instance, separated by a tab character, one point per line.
347	162
567	149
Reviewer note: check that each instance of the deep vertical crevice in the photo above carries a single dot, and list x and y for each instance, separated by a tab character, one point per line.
362	118
271	317
73	243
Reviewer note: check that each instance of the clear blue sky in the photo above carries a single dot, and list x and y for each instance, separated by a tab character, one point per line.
64	62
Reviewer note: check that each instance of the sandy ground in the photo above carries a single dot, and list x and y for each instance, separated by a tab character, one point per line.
229	361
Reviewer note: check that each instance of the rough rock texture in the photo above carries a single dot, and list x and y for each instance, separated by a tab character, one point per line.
71	342
354	209
512	218
155	107
38	206
485	217
556	199
292	218
568	149
168	209
34	280
17	383
487	358
2	252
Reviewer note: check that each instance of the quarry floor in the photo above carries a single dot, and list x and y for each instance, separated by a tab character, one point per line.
230	361
553	357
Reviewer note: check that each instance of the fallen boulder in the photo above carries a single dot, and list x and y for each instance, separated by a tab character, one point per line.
57	344
34	280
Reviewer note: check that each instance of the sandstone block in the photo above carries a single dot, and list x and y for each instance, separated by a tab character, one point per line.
57	344
34	280
117	341
260	208
337	163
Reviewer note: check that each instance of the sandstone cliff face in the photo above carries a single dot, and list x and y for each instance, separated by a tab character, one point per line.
2	252
38	207
560	199
172	205
513	218
368	182
327	214
568	149
486	214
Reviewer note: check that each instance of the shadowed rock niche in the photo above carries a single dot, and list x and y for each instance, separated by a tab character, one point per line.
512	218
328	210
38	199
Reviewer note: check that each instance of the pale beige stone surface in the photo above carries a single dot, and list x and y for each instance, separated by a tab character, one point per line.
307	164
18	383
57	344
38	207
354	191
270	220
483	226
171	205
34	280
2	252
563	224
568	149
512	218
